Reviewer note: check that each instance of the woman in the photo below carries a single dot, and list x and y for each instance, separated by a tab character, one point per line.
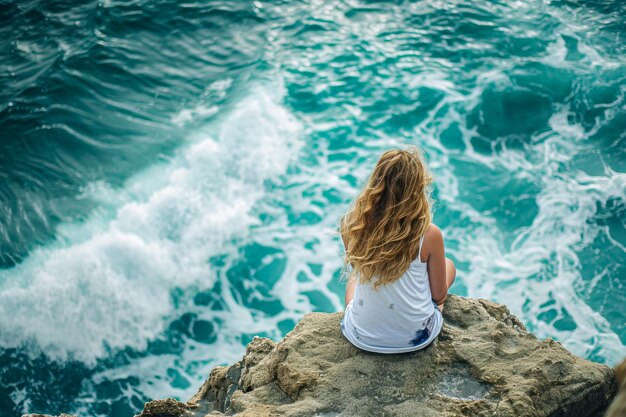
399	275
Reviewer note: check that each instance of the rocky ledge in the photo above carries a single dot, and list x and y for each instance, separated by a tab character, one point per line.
484	363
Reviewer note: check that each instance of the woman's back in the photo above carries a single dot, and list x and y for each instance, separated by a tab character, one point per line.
391	295
396	317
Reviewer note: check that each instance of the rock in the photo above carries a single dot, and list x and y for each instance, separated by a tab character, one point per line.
484	363
618	406
167	408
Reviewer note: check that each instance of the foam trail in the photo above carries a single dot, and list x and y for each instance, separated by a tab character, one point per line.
110	286
541	271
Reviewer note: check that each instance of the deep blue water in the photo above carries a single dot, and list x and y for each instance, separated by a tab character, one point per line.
172	175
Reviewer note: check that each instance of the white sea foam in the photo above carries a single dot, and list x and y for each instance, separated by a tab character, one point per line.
109	288
541	270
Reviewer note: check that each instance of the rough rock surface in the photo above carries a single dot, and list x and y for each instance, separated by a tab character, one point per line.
166	408
618	406
484	363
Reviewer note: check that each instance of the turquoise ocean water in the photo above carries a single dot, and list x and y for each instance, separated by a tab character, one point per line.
172	174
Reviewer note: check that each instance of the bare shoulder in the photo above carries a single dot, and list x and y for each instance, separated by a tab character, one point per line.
433	239
433	234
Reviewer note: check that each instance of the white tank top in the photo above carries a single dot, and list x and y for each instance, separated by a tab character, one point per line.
397	317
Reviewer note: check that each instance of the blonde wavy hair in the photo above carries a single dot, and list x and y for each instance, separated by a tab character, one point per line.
383	228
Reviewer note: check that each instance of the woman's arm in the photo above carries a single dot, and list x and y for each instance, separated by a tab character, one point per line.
350	288
440	273
352	279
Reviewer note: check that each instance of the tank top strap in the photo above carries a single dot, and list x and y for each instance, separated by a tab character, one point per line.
419	252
